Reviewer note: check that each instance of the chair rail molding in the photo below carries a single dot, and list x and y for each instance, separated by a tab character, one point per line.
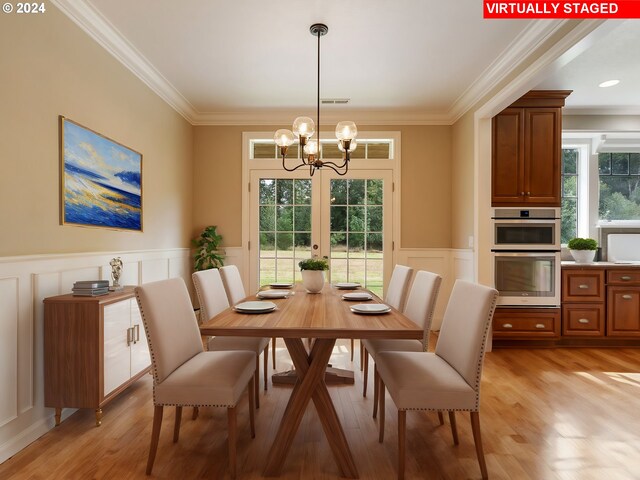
24	282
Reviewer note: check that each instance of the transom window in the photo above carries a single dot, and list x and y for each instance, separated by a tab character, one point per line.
367	149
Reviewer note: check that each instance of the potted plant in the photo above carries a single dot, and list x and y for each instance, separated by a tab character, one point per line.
207	254
312	270
583	250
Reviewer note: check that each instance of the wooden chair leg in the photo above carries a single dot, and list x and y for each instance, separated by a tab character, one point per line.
402	433
381	407
266	367
273	351
196	412
233	435
440	417
477	438
256	381
176	427
376	389
353	343
454	427
365	375
155	436
362	354
252	407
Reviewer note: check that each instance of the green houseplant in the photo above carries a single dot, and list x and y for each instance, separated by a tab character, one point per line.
207	254
583	250
312	270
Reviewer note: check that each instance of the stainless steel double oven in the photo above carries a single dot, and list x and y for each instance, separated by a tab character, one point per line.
526	256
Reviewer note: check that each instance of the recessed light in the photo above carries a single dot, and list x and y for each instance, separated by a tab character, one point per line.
609	83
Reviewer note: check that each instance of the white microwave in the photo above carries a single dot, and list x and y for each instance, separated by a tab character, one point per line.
526	229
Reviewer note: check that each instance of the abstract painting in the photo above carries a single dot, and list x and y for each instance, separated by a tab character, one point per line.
101	180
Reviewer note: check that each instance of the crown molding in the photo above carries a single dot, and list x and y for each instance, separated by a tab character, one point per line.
106	35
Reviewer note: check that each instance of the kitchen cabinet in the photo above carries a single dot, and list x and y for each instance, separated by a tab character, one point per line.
526	151
94	348
583	297
623	303
526	323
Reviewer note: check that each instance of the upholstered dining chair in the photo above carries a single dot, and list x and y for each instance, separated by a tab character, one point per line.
419	308
236	293
394	297
183	373
213	299
449	378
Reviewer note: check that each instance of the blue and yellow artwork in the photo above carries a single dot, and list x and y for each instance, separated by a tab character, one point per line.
101	180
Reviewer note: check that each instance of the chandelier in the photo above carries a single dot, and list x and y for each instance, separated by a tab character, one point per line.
304	128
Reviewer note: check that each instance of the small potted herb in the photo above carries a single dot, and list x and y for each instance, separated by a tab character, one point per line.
312	270
583	250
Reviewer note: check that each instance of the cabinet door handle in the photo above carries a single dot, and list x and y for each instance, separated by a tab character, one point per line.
129	336
136	329
583	286
627	297
625	278
540	325
528	194
583	320
522	194
507	325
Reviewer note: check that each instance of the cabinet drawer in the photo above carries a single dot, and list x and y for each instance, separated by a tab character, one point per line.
583	285
623	277
526	323
583	320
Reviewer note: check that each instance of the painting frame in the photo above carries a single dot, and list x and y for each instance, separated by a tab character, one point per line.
100	180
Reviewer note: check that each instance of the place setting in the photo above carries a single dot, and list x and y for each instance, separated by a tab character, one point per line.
255	307
347	285
370	308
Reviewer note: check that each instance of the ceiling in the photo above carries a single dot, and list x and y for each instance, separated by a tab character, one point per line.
254	61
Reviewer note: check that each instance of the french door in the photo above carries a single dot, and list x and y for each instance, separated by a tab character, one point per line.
347	219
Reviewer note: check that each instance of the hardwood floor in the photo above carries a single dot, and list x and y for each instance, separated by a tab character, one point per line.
545	414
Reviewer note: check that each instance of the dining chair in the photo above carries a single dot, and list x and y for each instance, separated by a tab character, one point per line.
419	308
183	373
213	299
447	379
396	291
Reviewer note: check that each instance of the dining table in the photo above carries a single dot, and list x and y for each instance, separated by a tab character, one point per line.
323	317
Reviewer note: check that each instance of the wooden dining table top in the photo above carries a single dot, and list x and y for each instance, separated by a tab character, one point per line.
313	315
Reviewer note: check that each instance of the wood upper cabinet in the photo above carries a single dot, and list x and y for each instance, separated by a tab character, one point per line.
526	151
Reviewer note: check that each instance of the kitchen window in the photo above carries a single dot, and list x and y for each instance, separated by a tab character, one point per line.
619	186
569	213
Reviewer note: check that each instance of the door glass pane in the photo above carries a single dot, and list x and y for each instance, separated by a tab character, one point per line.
285	228
356	232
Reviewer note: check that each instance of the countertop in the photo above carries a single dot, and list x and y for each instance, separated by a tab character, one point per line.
601	264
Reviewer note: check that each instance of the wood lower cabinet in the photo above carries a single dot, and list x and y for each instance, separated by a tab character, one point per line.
526	151
526	323
94	348
583	320
623	311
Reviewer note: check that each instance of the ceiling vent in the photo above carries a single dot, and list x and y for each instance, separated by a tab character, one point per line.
335	101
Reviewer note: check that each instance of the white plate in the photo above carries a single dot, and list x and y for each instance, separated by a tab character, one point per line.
280	293
281	285
255	307
357	296
371	308
347	285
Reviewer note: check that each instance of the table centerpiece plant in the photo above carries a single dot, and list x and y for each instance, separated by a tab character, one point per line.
312	270
583	250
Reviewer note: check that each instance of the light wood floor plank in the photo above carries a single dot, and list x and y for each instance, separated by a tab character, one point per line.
551	414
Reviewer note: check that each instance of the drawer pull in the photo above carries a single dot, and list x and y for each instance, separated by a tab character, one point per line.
583	320
540	325
583	286
627	297
626	278
507	325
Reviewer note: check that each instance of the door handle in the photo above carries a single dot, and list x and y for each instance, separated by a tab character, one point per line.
136	329
315	246
129	336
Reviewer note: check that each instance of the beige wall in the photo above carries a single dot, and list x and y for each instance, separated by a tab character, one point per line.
49	67
462	179
426	182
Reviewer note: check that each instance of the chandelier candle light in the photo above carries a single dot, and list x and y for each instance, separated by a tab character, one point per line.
304	128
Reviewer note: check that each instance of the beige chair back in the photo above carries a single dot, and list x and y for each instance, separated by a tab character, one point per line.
465	326
421	301
233	284
211	293
398	285
171	326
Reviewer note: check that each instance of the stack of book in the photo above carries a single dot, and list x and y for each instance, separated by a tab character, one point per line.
91	288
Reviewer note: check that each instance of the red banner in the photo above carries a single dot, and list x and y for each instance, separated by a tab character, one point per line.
561	9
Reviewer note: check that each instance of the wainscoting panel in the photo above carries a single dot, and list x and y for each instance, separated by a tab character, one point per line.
24	282
9	349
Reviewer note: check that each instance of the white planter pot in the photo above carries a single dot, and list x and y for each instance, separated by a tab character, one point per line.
313	280
583	256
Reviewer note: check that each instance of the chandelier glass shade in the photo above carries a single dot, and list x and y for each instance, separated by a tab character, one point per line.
304	128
